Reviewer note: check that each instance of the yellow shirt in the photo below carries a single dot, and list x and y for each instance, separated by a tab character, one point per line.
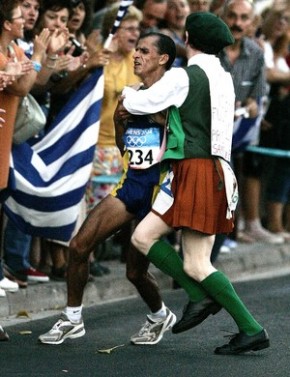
117	74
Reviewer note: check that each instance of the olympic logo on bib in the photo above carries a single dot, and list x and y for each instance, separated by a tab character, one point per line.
135	141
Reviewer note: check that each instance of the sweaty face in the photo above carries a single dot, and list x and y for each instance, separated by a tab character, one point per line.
238	16
146	57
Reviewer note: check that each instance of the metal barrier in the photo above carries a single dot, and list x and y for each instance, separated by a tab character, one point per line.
273	152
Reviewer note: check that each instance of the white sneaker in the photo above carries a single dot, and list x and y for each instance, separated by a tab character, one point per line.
152	331
2	293
224	249
63	329
8	285
285	235
232	244
228	246
263	235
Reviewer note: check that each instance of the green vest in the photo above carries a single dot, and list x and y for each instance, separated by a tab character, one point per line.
189	134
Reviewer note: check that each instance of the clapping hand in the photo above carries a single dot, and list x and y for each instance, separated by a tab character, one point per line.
93	40
41	42
13	69
99	58
5	79
58	40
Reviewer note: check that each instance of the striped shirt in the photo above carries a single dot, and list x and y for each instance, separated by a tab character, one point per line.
248	71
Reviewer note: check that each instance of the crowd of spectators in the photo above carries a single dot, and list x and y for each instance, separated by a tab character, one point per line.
48	47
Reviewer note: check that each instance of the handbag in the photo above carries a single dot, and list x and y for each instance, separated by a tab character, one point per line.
30	120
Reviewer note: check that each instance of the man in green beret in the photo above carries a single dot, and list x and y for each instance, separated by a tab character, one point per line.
199	194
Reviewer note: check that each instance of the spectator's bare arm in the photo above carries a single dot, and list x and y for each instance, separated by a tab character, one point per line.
97	59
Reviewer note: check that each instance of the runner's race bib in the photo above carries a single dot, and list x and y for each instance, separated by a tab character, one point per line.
143	146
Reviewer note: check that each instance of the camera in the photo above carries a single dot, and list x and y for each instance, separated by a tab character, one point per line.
78	47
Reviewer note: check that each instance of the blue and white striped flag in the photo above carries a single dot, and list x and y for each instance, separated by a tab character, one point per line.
123	7
50	177
246	131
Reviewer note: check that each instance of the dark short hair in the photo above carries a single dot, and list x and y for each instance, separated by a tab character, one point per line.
6	11
56	5
39	2
164	44
52	5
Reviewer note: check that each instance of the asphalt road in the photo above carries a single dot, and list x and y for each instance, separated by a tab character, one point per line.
184	355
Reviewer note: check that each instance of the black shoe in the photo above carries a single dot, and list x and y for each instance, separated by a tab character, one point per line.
242	342
194	313
96	270
19	278
105	269
58	274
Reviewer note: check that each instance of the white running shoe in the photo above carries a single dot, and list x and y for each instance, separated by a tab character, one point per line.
152	331
224	249
63	329
2	293
8	285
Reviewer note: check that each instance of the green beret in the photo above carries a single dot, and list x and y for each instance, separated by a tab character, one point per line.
207	32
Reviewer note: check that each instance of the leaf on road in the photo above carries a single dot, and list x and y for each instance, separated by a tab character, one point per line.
23	313
109	350
25	332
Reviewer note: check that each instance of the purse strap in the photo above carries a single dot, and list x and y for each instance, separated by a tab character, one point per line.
12	54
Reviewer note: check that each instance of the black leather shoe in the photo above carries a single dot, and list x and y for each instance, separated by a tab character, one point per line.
194	313
242	342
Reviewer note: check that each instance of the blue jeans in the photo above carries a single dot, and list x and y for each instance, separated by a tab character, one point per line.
16	248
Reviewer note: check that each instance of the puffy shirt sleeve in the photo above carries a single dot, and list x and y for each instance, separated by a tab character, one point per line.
171	89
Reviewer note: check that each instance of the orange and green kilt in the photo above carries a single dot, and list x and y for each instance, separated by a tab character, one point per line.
200	201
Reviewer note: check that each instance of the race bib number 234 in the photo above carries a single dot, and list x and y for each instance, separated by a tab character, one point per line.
143	146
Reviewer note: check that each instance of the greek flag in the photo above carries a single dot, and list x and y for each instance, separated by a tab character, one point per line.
48	179
246	130
123	7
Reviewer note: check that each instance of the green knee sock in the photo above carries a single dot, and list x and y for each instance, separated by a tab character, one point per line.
220	288
163	256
